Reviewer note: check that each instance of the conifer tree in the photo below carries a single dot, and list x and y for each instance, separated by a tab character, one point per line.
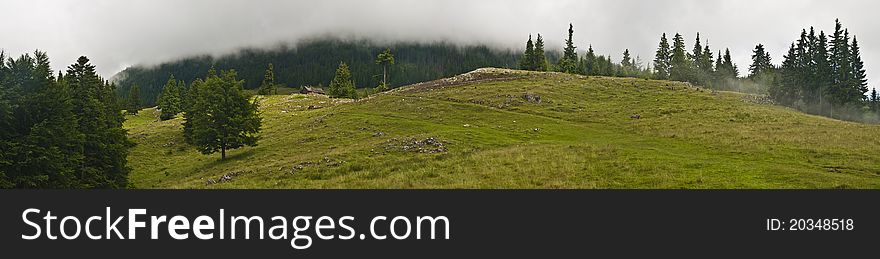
169	100
134	100
697	55
342	86
540	59
680	69
859	83
875	100
760	62
822	75
223	116
528	59
662	59
105	144
591	64
268	85
569	61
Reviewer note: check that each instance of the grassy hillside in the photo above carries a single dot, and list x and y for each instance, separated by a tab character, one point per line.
485	129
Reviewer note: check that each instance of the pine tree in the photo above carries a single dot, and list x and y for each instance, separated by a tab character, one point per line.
223	115
540	59
680	69
627	60
169	100
386	58
697	55
732	71
569	61
105	144
760	62
591	64
822	73
875	100
859	79
526	62
268	85
788	90
134	100
342	86
662	59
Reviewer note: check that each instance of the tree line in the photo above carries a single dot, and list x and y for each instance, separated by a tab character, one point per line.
313	63
821	74
536	58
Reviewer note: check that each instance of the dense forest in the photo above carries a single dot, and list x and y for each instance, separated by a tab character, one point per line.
314	62
61	131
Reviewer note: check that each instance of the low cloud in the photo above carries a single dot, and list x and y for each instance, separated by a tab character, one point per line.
116	34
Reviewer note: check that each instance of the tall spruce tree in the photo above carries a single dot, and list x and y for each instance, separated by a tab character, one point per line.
680	69
697	55
788	91
821	73
223	115
528	58
268	86
662	59
859	81
569	61
760	62
539	58
105	144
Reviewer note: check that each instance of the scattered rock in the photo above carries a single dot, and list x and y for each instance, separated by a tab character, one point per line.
636	116
314	107
466	125
378	134
225	177
532	98
429	145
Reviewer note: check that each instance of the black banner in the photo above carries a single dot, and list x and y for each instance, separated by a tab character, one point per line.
480	223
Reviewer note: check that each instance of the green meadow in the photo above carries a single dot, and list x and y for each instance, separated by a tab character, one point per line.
495	128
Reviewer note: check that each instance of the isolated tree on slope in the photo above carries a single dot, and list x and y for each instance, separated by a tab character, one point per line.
662	59
169	100
223	115
268	85
342	86
386	58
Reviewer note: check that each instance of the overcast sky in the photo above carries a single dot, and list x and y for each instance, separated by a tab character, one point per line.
119	33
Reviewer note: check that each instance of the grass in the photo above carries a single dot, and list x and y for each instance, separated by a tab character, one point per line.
581	135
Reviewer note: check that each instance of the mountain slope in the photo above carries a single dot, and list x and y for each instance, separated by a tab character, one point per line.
314	62
486	129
